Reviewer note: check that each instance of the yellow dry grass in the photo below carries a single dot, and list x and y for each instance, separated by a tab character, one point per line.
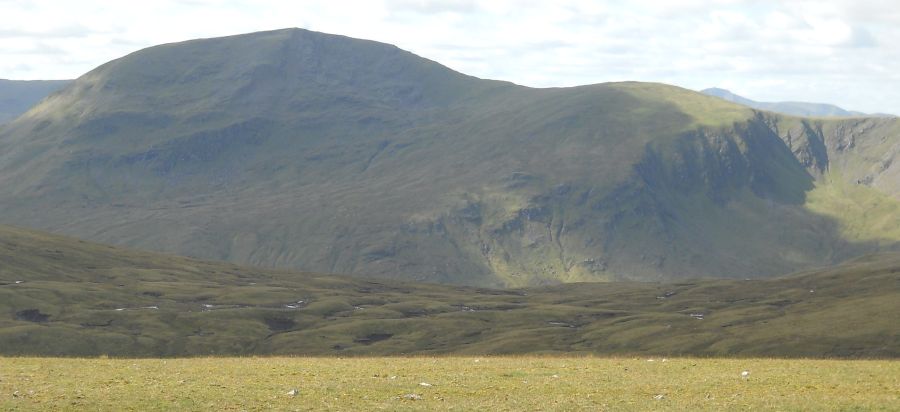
447	383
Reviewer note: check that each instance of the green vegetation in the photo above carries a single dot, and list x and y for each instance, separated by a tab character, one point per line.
705	112
65	297
864	213
444	383
335	155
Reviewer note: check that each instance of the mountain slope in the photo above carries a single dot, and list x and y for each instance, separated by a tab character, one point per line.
298	149
17	96
788	108
62	296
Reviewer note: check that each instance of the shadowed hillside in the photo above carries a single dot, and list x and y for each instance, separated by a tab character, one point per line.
310	151
62	296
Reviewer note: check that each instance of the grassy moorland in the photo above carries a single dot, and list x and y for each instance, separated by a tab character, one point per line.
447	383
64	297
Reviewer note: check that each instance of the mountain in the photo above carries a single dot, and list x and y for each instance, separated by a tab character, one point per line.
303	150
63	296
17	96
789	108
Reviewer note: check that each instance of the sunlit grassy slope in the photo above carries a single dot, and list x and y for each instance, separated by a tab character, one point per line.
17	96
60	296
447	383
324	153
863	213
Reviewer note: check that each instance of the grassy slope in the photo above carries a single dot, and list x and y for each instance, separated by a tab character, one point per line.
863	213
98	300
17	96
503	383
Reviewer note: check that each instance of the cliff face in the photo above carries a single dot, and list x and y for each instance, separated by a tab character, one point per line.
863	150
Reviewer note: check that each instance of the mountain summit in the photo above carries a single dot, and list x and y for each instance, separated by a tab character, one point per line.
299	149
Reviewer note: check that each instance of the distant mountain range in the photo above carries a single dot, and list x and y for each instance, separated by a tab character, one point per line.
305	150
790	108
17	96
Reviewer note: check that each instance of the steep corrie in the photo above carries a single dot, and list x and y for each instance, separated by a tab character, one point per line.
858	180
305	150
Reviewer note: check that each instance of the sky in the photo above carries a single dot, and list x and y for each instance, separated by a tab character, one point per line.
845	52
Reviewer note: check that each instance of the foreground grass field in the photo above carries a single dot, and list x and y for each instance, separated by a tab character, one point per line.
445	383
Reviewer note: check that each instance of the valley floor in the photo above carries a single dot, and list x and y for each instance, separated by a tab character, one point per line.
445	383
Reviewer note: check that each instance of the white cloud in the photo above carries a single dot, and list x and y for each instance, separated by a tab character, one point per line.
840	51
